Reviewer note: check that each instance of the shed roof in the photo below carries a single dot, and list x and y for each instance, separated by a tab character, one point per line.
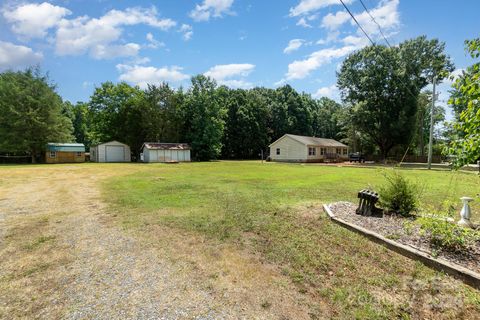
165	146
66	147
314	141
113	141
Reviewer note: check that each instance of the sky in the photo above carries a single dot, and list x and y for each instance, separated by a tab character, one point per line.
239	43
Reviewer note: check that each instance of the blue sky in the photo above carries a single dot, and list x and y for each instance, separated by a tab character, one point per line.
240	43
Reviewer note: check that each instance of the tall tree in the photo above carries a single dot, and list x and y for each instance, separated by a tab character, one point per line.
327	122
466	102
383	85
79	114
204	121
115	115
423	121
31	113
246	131
161	114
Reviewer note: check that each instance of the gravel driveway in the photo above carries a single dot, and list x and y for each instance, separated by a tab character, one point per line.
108	273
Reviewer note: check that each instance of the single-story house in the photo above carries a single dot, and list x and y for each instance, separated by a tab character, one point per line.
165	152
65	153
112	151
293	148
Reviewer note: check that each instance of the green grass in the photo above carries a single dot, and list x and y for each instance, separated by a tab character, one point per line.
271	205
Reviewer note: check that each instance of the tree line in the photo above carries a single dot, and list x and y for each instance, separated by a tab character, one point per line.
385	109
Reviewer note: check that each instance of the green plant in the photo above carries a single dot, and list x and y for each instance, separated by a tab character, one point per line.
447	236
399	195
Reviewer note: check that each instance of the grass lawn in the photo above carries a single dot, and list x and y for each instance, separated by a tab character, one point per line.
273	210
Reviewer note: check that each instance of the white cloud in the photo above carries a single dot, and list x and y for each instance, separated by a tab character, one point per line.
334	21
223	74
293	45
210	8
16	57
152	42
305	7
332	36
114	51
300	69
96	35
453	76
143	75
87	84
303	23
357	41
33	20
236	83
331	92
187	31
386	14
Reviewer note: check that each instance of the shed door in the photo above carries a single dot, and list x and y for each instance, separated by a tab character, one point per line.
114	154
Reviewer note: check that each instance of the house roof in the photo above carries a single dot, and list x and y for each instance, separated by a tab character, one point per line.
313	141
66	147
165	146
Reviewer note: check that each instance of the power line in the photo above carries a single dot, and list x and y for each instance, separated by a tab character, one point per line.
378	25
373	43
358	24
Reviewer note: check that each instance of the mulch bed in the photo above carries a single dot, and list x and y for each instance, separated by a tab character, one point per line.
392	227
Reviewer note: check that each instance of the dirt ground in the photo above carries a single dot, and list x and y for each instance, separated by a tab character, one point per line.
63	256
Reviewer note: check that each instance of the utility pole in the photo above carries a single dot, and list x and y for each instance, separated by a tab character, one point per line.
430	141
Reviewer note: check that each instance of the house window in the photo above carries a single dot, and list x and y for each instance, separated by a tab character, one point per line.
278	151
53	154
79	154
311	151
339	151
323	151
345	151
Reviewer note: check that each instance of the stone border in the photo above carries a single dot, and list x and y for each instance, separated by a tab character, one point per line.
468	276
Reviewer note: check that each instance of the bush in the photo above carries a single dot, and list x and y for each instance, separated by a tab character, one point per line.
447	236
399	195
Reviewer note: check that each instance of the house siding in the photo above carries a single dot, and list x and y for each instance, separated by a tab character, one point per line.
290	150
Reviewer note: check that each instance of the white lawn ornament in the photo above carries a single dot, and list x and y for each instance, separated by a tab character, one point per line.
465	213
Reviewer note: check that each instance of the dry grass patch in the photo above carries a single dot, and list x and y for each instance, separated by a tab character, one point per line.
32	267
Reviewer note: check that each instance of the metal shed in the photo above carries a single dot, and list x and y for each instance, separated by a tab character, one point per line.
165	152
65	153
112	151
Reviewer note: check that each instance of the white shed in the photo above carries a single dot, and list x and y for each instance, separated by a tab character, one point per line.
112	151
165	152
293	148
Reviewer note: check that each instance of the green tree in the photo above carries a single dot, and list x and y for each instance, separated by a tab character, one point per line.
79	114
327	119
204	118
423	121
466	102
382	84
115	114
161	115
246	131
31	113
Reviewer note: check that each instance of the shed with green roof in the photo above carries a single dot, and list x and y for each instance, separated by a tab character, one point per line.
65	152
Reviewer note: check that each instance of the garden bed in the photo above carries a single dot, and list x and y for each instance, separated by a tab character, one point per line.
407	232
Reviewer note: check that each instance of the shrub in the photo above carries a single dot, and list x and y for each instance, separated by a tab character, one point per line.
447	236
399	195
